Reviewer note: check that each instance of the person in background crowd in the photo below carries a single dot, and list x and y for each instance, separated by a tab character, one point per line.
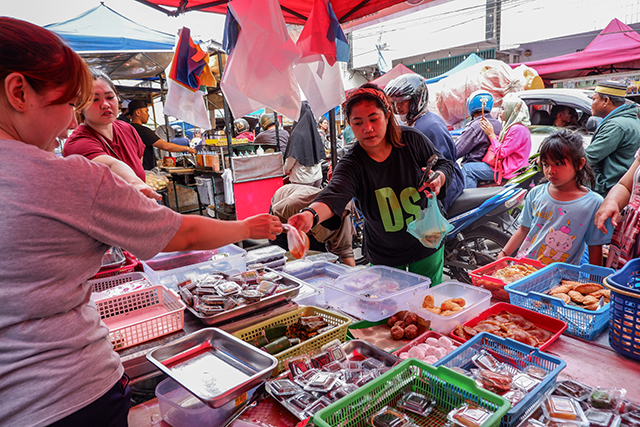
57	364
334	235
383	172
410	96
268	134
242	130
139	112
124	112
561	116
179	139
549	236
323	131
305	152
472	145
617	137
103	139
197	140
509	152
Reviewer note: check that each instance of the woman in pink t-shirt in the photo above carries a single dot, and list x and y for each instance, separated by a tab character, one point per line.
103	139
511	149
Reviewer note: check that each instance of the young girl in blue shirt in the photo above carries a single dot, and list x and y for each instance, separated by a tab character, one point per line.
557	224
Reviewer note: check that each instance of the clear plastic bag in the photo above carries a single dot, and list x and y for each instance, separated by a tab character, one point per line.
430	227
298	241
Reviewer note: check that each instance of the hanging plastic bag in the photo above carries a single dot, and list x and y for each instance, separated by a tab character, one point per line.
430	227
298	241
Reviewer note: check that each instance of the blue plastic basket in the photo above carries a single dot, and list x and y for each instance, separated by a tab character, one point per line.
516	354
624	318
583	323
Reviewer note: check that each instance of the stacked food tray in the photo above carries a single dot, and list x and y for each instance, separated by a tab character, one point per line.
488	275
530	293
511	354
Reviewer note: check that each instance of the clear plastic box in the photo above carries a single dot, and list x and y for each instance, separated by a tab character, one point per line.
265	255
477	300
180	408
315	275
171	268
374	293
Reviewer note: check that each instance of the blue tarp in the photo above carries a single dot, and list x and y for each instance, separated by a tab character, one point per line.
117	45
471	60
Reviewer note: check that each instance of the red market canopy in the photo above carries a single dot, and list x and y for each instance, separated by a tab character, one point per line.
396	71
294	11
615	49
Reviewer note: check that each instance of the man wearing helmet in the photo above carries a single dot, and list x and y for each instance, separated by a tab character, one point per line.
268	134
410	96
242	130
179	138
139	116
473	143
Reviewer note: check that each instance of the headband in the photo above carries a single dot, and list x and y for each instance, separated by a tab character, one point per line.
377	93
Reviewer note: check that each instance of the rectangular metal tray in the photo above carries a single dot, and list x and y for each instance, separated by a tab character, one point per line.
213	365
235	313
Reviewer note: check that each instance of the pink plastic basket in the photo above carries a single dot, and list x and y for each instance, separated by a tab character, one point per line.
129	266
99	285
141	316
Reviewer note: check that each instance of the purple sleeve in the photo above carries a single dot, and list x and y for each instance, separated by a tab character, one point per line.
469	139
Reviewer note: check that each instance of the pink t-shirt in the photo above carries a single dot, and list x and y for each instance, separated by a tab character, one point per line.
127	145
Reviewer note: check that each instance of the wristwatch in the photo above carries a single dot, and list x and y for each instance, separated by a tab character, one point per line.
316	218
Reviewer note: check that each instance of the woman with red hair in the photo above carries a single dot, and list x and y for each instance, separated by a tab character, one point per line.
59	217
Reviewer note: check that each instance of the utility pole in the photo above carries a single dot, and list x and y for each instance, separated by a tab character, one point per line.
493	20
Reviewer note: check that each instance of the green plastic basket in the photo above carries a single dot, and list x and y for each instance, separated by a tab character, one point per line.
449	389
340	323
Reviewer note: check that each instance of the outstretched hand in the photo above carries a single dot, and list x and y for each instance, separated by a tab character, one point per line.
606	210
302	221
263	226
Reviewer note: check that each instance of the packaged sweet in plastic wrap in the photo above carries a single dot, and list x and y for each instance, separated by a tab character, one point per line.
469	416
417	403
430	227
297	241
389	417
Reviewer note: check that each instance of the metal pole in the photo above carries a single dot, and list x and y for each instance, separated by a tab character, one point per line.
227	116
332	138
275	117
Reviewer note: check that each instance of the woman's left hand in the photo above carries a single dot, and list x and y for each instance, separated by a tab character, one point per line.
434	185
487	128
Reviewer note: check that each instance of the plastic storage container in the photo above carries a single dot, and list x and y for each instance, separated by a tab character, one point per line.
265	255
624	318
341	324
483	276
315	275
449	389
477	300
583	323
555	326
180	408
374	293
171	268
142	315
515	354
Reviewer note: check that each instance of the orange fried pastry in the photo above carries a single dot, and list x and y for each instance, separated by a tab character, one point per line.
562	289
564	297
576	296
587	288
428	301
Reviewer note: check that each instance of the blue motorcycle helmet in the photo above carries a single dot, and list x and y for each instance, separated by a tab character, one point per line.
476	100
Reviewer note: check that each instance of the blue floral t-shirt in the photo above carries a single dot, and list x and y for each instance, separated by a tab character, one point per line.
560	231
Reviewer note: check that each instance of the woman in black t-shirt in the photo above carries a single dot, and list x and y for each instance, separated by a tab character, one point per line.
382	172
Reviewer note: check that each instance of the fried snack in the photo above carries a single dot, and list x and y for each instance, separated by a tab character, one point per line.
562	289
592	307
587	288
564	297
588	300
397	333
436	310
514	272
392	320
400	323
410	318
449	305
576	296
410	332
428	301
460	301
606	293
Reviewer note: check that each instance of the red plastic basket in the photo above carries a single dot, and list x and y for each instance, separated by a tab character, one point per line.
481	277
129	266
557	327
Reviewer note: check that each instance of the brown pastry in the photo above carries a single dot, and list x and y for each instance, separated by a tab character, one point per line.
435	310
576	296
447	313
460	301
449	305
400	323
410	332
606	293
410	318
428	301
562	289
397	333
592	307
392	320
587	288
588	300
564	297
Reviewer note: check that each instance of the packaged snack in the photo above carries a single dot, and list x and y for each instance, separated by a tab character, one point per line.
337	353
563	409
227	288
251	295
495	381
524	382
388	417
417	403
301	401
303	378
321	382
599	418
351	376
342	391
606	398
209	310
371	363
484	360
267	287
213	300
298	365
272	276
283	387
514	396
249	277
319	404
536	372
320	360
531	422
332	367
573	389
469	416
352	364
297	241
631	418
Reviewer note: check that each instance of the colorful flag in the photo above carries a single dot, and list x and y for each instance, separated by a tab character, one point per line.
188	71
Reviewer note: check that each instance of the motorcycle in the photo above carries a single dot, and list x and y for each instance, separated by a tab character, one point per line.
482	224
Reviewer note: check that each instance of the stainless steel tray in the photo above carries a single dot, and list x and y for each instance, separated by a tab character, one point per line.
234	313
213	365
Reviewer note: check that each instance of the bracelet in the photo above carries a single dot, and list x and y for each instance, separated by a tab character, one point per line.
316	218
502	251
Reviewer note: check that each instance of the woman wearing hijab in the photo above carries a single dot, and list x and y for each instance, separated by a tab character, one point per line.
305	151
508	152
